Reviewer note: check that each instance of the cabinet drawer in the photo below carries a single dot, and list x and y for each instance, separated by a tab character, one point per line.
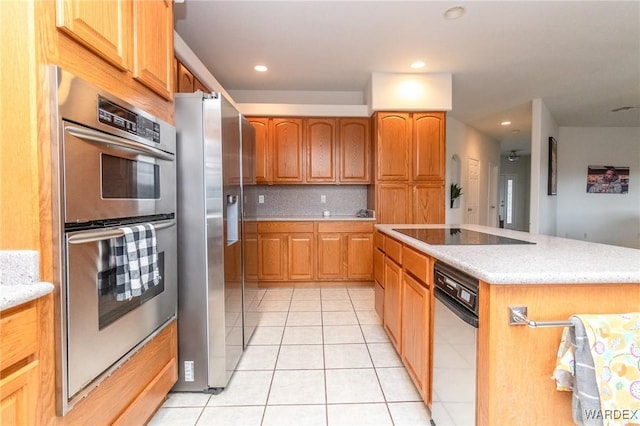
345	226
393	249
378	240
264	227
18	334
416	263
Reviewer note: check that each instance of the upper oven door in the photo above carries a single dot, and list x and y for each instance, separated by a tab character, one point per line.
108	176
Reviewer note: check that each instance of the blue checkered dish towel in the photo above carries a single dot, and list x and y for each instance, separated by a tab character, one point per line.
136	261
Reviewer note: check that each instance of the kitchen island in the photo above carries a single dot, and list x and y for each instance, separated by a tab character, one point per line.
554	277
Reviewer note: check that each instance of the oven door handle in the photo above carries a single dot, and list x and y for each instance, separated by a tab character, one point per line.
102	138
94	236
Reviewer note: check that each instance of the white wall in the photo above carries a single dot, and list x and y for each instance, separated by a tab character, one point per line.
606	218
467	142
543	206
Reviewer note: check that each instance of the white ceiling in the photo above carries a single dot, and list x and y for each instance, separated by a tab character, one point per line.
581	58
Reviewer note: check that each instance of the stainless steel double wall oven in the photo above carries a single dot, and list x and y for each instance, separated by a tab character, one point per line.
115	168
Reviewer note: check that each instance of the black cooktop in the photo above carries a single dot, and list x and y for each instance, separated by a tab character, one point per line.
457	236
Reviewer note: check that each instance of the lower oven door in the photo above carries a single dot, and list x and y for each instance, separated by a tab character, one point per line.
101	331
454	363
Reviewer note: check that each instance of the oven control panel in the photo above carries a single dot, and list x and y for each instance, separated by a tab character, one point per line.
121	118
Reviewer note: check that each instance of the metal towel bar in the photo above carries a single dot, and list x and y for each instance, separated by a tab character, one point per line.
518	316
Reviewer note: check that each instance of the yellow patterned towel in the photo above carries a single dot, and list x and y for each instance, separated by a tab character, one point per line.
615	347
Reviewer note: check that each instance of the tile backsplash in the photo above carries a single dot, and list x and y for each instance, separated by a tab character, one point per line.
306	200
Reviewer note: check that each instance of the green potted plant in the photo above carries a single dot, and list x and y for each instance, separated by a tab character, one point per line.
456	191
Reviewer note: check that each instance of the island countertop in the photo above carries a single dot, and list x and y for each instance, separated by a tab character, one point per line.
551	260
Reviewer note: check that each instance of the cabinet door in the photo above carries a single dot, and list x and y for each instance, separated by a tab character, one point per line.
185	79
250	256
428	146
330	256
355	150
393	203
271	257
262	149
301	257
102	26
428	203
153	45
360	256
416	312
393	142
198	85
320	135
392	301
287	148
19	396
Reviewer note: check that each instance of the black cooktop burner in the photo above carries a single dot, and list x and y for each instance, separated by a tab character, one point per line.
457	236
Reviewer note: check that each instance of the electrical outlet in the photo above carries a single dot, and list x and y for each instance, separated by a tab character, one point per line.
323	199
260	199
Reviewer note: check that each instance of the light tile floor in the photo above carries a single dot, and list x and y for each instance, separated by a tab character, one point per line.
319	356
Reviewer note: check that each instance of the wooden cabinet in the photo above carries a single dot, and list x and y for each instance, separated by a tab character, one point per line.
287	150
345	250
320	137
392	319
427	203
393	203
286	251
355	150
153	45
428	146
416	320
20	365
186	82
410	158
312	150
104	27
262	149
378	272
393	137
132	36
322	252
404	296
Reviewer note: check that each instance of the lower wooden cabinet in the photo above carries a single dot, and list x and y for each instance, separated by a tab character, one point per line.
19	365
319	252
404	278
416	315
392	302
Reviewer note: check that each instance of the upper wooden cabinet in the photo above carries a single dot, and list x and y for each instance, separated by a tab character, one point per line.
355	150
321	144
153	45
186	82
287	150
410	167
312	150
132	36
393	137
106	27
428	147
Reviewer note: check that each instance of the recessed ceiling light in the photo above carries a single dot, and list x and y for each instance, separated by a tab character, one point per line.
454	12
505	123
260	68
417	64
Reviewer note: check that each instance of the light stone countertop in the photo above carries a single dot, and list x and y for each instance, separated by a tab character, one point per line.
19	278
550	260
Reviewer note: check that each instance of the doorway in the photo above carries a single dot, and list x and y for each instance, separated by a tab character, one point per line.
473	197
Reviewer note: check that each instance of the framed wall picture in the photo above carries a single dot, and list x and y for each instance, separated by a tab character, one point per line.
552	185
607	180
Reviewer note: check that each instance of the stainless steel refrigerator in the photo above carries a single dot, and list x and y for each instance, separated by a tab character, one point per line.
212	329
